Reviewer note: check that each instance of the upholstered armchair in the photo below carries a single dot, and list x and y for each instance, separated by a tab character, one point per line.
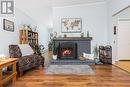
25	62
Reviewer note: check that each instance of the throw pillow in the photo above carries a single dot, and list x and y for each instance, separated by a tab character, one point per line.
26	49
88	56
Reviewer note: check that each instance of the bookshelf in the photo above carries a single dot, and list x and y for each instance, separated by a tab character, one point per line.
29	37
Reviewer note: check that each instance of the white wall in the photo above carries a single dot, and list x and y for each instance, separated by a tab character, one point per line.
94	18
43	33
41	12
44	24
6	37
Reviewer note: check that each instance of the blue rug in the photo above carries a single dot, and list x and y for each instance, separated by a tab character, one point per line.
69	69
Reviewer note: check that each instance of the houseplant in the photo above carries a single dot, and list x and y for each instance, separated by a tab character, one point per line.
55	51
40	49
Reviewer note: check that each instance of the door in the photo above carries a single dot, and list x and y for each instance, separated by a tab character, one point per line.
124	39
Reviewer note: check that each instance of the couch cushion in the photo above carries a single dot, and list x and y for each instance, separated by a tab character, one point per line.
14	51
26	49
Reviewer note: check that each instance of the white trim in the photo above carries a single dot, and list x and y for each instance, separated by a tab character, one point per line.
113	62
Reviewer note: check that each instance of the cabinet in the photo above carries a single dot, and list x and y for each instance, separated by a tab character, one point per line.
105	54
29	37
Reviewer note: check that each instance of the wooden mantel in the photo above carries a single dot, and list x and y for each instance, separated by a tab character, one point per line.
73	39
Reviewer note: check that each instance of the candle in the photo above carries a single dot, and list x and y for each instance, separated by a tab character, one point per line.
2	56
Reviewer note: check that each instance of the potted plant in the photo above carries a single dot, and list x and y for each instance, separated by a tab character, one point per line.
55	51
40	49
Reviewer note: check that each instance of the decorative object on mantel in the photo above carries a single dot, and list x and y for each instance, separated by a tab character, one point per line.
71	25
82	35
87	33
65	35
60	36
55	35
8	25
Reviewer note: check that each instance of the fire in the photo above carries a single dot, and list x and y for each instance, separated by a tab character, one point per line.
66	52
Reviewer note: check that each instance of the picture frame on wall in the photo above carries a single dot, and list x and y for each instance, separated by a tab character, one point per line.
71	25
8	25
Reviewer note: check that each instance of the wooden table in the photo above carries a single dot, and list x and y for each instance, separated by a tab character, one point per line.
5	63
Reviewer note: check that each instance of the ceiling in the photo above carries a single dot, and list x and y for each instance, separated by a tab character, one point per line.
39	8
53	3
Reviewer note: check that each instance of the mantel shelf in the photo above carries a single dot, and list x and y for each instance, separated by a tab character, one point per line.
73	39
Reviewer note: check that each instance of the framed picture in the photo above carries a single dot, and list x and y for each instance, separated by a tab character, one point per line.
8	25
71	25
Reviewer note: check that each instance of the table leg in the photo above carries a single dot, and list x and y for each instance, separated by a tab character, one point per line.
14	71
0	77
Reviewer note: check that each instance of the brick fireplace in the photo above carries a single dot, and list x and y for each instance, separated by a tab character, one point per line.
67	50
72	46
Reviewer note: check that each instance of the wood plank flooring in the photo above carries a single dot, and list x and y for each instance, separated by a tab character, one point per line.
124	64
106	76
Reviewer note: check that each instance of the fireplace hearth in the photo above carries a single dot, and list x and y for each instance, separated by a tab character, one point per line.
67	50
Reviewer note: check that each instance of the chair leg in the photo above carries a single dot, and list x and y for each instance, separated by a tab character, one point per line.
42	65
21	74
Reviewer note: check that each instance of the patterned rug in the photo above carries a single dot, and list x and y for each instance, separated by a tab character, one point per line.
69	69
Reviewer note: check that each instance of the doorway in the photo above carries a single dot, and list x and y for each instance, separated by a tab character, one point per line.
123	47
123	39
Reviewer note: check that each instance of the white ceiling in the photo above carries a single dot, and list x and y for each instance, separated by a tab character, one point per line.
39	8
53	3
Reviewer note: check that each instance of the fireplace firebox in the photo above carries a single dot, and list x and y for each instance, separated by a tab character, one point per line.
67	50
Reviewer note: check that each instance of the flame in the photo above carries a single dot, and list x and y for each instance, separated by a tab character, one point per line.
66	52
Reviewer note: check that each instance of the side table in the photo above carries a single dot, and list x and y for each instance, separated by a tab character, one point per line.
5	63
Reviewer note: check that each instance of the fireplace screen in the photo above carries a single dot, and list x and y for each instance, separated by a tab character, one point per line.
66	52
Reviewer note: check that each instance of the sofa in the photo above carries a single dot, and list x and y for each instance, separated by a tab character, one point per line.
25	62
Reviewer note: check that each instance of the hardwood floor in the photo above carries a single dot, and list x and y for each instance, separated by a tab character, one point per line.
106	76
124	64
